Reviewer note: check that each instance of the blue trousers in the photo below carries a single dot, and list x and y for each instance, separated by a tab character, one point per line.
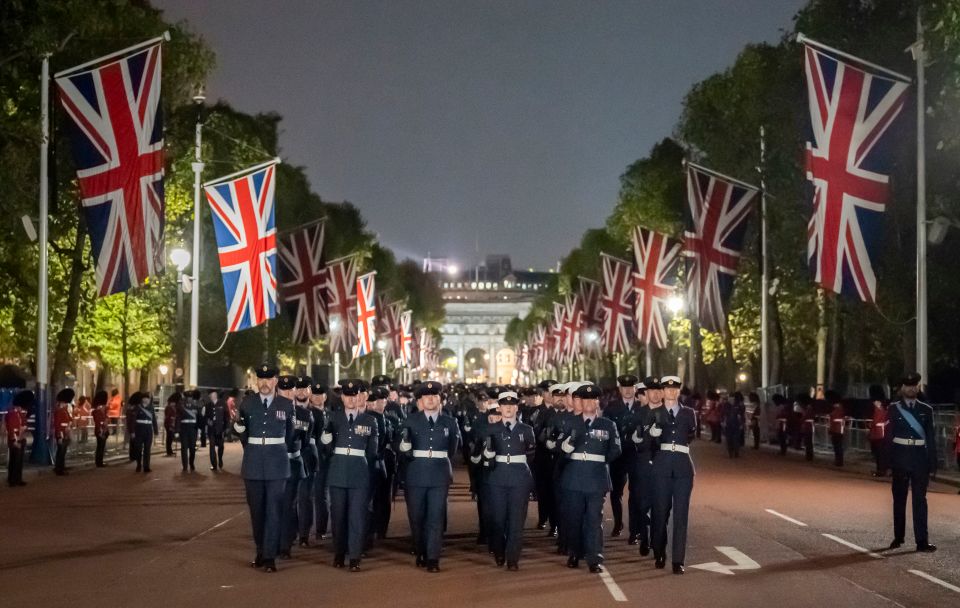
265	500
348	512
583	524
426	510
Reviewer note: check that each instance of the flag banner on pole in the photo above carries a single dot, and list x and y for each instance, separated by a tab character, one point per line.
656	258
848	164
524	363
589	292
414	346
116	126
406	338
390	331
718	207
303	281
539	338
366	314
559	333
616	304
342	303
572	329
243	221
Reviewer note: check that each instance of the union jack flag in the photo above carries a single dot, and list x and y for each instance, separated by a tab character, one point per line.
616	302
559	332
589	293
524	363
390	330
718	209
303	283
117	140
366	314
243	220
656	258
538	340
406	338
850	112
342	303
572	329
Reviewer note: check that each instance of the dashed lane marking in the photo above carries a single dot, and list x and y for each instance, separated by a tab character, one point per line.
786	517
612	586
212	528
936	580
847	543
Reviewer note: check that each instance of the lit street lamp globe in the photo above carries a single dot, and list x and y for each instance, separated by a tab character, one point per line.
180	258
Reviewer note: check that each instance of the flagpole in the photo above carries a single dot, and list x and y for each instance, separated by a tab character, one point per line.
919	55
39	454
192	378
764	270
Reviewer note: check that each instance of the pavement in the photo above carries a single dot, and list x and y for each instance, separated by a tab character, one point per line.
764	530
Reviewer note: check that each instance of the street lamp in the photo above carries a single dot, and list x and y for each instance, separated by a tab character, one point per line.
382	347
675	303
742	377
452	270
181	259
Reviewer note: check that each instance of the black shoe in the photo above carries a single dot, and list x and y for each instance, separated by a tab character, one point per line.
573	562
421	561
138	469
617	529
220	464
339	561
661	562
192	469
213	468
354	565
678	568
147	471
596	569
632	540
304	542
269	565
644	548
257	562
433	565
542	525
553	532
184	470
512	567
926	548
499	560
896	544
21	483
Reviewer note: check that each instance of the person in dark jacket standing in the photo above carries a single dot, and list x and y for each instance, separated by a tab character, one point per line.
146	428
912	444
217	422
170	421
589	445
641	473
321	509
299	388
734	419
618	410
101	426
15	421
508	446
674	427
188	417
350	438
429	440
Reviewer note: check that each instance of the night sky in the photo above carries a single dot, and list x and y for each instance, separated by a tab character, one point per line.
450	123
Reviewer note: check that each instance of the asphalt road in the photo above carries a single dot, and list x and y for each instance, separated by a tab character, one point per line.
113	537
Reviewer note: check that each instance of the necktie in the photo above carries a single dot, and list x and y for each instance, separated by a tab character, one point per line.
673	417
588	423
430	420
508	427
265	404
351	419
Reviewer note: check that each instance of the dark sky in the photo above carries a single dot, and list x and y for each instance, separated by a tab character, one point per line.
446	122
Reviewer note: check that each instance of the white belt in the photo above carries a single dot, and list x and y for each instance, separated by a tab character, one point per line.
266	440
902	441
588	457
313	441
880	424
349	451
429	453
518	458
144	421
674	447
292	455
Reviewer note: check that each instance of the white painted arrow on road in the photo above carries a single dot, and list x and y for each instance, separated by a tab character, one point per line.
742	562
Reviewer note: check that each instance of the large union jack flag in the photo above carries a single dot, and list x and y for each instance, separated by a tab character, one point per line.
850	112
572	329
616	304
303	282
589	293
243	221
718	209
538	341
390	329
559	332
117	141
656	257
342	303
366	314
406	338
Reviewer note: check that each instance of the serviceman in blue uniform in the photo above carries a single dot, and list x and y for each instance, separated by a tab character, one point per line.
265	427
429	440
350	438
649	398
320	508
912	445
543	460
146	428
618	410
302	426
508	446
674	427
310	457
382	472
590	444
188	416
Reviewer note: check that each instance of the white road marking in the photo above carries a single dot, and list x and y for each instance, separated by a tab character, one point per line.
786	517
741	562
212	528
871	591
847	543
936	580
612	586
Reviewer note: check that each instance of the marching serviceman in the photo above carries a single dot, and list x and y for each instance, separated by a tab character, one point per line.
381	473
146	427
837	426
674	427
265	427
188	415
429	439
912	444
543	461
320	508
351	438
302	427
217	422
878	430
16	422
62	420
508	445
618	411
170	421
590	443
808	428
306	434
783	416
101	425
641	474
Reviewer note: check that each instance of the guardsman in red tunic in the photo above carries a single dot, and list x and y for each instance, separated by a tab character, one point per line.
838	426
878	429
101	425
16	422
783	415
807	427
170	421
62	421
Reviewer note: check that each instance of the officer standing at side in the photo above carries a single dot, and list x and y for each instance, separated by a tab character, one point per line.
101	428
299	388
320	508
145	430
62	420
188	415
912	445
265	427
618	410
16	422
218	420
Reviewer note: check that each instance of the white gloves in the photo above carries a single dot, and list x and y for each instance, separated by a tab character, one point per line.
476	459
405	446
239	428
655	431
551	444
637	438
326	438
566	446
489	454
466	428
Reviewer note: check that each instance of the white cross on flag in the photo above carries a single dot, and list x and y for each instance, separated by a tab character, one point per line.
366	314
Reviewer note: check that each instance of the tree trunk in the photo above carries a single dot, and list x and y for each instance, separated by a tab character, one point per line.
836	343
732	370
61	356
775	331
123	345
144	379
